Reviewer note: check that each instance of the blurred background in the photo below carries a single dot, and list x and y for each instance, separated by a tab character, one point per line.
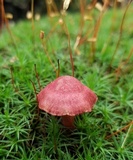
18	9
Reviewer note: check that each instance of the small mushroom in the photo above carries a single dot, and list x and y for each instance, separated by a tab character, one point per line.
66	97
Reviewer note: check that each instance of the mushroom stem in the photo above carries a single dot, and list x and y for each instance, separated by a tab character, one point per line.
68	121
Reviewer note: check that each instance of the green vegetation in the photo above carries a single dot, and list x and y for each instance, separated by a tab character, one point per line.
104	134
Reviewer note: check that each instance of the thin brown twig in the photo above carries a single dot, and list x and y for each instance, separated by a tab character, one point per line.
37	76
120	130
119	68
58	71
51	31
92	5
127	134
34	89
64	26
12	79
7	26
51	8
96	29
32	21
1	15
121	31
13	84
45	49
36	96
82	11
129	56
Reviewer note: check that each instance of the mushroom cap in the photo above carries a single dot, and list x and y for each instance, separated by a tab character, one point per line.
66	96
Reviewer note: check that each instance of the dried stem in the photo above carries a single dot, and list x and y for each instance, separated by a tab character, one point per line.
92	5
37	76
13	84
69	44
1	14
45	50
51	31
58	71
120	130
82	11
119	68
36	96
4	19
33	26
34	88
129	129
129	56
121	31
12	79
51	8
96	29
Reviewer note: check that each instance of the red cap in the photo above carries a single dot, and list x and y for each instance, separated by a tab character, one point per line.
66	96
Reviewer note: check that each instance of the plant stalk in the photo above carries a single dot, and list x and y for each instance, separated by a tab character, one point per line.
68	121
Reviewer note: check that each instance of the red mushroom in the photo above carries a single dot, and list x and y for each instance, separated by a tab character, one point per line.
66	97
